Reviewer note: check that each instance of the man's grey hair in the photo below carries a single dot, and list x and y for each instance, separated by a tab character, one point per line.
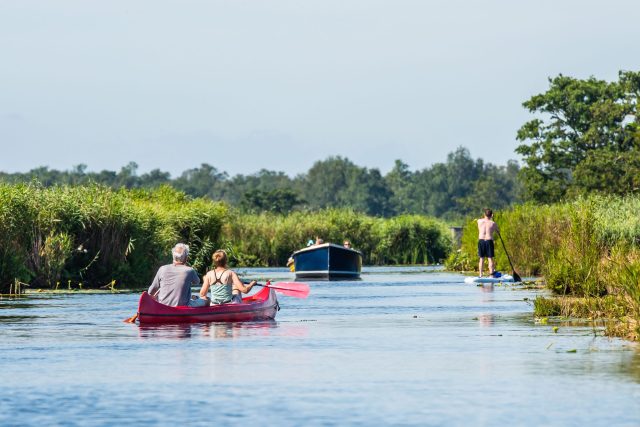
180	252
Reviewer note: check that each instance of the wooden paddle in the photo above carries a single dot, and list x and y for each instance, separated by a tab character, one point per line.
131	319
516	276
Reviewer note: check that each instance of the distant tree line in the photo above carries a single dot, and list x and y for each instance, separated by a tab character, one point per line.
450	190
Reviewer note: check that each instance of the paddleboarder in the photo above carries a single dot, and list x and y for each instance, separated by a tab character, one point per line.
486	229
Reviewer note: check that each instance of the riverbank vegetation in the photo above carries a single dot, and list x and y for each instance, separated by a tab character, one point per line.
580	227
82	237
60	237
587	250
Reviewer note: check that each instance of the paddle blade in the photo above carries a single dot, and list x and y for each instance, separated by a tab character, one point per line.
516	277
291	289
131	319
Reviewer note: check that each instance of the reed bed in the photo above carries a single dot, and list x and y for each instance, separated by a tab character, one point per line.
68	236
96	237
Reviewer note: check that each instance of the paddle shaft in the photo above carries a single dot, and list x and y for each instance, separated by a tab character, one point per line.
133	318
516	276
299	290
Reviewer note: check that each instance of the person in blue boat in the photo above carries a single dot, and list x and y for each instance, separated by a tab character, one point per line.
172	284
486	229
225	284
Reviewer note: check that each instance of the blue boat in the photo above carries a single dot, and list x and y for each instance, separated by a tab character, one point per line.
327	261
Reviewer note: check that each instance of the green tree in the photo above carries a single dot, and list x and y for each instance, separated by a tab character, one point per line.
265	181
498	187
400	181
155	179
203	181
280	201
591	121
337	182
443	188
128	176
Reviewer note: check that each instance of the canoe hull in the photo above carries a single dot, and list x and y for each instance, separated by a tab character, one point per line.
260	306
327	261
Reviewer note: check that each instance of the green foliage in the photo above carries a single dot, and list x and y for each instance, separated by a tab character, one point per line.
92	234
623	276
279	201
337	182
460	261
574	268
203	181
608	307
462	186
411	239
588	138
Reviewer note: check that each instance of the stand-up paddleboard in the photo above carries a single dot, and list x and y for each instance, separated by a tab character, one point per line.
488	279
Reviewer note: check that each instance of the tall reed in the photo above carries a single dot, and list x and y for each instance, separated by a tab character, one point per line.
94	234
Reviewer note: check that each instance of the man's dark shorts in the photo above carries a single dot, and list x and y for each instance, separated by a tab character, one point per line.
485	248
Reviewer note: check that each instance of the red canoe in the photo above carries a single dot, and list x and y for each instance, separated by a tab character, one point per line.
263	305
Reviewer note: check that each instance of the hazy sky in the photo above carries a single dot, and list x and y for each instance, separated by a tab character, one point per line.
245	85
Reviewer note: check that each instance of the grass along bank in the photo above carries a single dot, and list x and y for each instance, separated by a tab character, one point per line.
89	237
587	250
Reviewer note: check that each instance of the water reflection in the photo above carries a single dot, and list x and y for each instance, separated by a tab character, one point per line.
486	320
171	331
13	304
212	330
630	367
16	319
487	291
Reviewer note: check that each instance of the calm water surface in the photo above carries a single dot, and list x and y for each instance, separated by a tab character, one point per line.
400	347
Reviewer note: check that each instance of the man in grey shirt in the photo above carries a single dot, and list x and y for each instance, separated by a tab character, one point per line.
172	284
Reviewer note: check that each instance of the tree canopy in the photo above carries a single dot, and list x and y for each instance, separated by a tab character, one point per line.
587	138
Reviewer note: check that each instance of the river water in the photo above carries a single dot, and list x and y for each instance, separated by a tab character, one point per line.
403	346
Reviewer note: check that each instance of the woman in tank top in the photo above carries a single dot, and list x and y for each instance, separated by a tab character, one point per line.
224	283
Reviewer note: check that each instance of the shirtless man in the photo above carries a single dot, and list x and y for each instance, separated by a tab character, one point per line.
486	228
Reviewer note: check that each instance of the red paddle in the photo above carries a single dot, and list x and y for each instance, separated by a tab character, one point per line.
290	289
